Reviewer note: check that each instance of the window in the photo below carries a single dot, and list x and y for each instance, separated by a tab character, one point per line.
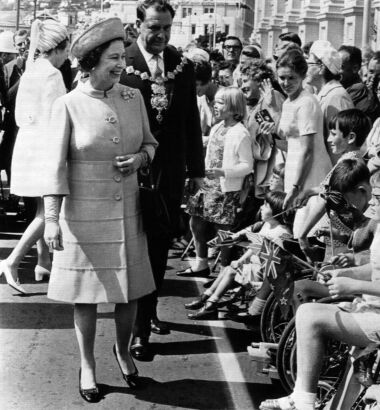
206	29
207	10
186	11
227	28
193	28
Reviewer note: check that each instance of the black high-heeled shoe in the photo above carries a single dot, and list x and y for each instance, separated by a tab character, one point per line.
89	395
133	380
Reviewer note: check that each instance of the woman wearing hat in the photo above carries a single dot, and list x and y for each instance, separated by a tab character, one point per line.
324	72
39	87
100	137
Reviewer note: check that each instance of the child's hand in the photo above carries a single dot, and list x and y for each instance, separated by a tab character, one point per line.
235	264
214	173
343	260
341	286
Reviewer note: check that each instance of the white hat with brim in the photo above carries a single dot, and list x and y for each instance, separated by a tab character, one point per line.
6	43
329	56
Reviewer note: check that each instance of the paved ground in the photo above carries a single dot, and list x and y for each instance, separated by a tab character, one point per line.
200	365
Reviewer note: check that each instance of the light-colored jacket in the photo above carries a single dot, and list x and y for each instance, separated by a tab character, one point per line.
237	156
105	257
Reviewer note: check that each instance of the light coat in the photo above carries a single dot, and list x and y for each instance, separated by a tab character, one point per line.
40	86
105	257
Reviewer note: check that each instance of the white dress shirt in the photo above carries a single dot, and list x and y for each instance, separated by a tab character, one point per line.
150	58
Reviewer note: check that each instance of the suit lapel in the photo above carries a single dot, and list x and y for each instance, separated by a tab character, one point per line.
135	59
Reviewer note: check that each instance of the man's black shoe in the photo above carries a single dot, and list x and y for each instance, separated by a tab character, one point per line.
158	327
140	349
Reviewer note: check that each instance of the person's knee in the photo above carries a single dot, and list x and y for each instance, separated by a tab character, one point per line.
307	316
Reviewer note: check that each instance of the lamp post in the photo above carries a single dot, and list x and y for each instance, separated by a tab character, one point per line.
366	23
18	14
214	36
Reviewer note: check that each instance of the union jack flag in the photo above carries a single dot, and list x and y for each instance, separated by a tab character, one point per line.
220	237
270	255
255	241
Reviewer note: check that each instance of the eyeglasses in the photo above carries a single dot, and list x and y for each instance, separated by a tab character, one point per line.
232	47
312	63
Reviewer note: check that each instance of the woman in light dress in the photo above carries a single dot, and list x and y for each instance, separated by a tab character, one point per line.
40	86
100	137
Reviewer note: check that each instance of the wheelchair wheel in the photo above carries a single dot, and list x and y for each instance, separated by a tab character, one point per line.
285	356
272	322
286	361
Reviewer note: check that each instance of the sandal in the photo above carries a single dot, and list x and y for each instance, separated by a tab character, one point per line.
284	403
179	245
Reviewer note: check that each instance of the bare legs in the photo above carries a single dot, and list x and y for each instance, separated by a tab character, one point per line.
85	329
125	315
315	323
33	233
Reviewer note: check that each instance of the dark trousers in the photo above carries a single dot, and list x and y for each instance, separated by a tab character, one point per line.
158	248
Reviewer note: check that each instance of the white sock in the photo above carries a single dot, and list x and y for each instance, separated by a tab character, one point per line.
302	399
199	264
256	307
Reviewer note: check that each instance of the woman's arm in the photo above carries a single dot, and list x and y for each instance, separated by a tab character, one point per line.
302	167
53	234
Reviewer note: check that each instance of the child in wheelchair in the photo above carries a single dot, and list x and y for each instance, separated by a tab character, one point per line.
247	268
356	324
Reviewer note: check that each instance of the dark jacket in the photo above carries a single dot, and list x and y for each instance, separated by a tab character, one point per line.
180	152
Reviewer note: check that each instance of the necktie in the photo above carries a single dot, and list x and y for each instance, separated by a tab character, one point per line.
157	72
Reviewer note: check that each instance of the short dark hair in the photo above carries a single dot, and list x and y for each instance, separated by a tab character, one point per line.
251	51
225	65
158	5
233	38
257	70
295	60
203	71
216	55
92	58
355	54
352	120
293	37
348	174
276	199
22	32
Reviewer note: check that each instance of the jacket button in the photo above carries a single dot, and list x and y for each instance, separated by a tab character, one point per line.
117	197
115	140
117	178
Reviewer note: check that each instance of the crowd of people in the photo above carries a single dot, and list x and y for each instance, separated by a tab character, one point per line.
284	147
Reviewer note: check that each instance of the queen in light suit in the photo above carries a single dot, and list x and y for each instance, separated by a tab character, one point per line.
100	137
40	86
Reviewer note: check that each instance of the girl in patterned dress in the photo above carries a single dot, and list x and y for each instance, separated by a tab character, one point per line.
228	160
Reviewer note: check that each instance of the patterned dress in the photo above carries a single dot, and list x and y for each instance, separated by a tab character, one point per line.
210	203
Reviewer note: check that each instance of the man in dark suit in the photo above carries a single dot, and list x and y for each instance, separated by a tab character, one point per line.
167	83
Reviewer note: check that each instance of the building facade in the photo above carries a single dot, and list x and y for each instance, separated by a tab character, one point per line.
339	21
199	17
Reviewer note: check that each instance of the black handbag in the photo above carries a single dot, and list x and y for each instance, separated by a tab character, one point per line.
154	210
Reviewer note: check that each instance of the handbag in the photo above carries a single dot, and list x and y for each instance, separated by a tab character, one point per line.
247	189
155	214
